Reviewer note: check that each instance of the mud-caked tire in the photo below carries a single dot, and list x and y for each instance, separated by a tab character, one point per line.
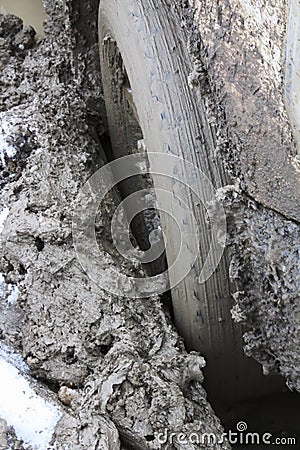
144	49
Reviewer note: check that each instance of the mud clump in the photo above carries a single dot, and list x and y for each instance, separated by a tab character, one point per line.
265	266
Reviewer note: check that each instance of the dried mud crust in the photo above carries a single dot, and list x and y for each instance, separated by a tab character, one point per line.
129	374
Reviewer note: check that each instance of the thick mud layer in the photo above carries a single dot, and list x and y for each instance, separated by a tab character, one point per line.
116	365
238	70
31	12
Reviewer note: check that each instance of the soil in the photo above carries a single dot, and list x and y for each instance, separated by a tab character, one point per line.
129	372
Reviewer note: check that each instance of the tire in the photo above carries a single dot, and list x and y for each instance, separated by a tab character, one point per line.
143	47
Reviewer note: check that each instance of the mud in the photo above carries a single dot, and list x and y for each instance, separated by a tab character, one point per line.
264	243
117	365
127	369
8	438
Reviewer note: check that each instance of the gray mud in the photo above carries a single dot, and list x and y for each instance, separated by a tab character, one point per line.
116	364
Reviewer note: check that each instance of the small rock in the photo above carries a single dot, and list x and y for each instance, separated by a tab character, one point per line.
66	395
24	40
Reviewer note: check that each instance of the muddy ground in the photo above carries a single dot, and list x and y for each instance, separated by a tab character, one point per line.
237	49
129	374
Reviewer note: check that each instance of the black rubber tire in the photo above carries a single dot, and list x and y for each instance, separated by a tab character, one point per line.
151	45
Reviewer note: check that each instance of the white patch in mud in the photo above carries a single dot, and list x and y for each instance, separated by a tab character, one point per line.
32	417
3	216
292	68
6	150
13	294
8	292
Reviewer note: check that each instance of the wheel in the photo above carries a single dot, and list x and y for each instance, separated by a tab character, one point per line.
145	67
